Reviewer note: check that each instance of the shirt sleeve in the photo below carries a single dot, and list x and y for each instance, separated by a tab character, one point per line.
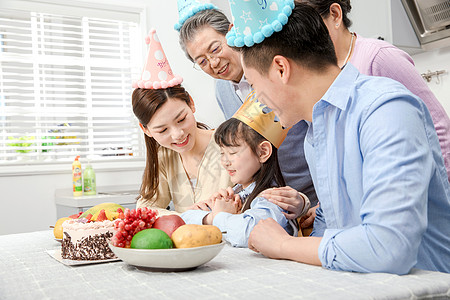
194	216
397	169
219	98
239	226
306	204
319	223
396	64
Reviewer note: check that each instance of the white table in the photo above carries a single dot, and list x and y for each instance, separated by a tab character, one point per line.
28	272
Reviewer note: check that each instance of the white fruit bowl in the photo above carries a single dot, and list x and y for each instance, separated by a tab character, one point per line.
176	259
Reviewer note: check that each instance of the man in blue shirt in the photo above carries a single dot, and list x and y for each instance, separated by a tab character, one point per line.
373	154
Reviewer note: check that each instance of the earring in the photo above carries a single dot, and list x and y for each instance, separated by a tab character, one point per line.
337	25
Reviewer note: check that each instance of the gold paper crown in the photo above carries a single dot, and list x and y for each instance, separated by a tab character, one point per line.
251	113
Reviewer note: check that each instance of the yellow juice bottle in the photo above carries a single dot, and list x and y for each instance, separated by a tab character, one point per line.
77	182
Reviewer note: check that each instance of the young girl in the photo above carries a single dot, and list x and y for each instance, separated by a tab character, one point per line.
252	163
183	161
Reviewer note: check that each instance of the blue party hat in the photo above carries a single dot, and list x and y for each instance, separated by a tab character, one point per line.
188	8
254	20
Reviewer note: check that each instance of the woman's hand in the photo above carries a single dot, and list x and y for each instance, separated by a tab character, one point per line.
308	219
287	198
267	237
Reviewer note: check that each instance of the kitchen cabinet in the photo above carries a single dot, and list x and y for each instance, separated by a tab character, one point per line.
385	19
67	204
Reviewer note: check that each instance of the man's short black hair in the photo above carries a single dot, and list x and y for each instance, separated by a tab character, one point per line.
304	39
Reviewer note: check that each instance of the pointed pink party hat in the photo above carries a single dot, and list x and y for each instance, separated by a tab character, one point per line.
157	73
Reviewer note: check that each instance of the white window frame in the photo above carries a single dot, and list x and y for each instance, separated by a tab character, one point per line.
103	9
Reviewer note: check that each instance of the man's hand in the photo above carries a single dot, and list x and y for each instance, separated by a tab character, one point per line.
271	240
287	198
267	237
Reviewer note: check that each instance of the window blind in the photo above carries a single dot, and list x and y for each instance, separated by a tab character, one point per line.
65	88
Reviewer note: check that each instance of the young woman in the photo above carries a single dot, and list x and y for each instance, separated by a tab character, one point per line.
183	161
252	163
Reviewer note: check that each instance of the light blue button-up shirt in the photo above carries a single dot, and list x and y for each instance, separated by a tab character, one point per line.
379	174
239	226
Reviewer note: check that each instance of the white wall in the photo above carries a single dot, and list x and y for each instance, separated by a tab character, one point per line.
162	15
28	200
435	61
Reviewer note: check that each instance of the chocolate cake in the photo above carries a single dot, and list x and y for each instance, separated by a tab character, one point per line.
87	241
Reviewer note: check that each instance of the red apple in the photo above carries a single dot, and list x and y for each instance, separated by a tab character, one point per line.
168	223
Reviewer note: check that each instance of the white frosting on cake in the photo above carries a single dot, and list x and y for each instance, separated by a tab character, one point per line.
79	230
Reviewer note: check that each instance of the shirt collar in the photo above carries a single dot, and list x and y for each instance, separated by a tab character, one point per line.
239	85
244	193
338	94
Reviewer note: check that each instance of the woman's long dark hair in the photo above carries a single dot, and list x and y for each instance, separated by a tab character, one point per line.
232	133
146	103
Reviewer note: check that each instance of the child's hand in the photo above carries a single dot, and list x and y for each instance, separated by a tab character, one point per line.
222	193
230	205
203	205
222	201
233	206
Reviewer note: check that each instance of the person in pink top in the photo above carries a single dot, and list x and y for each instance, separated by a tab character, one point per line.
379	58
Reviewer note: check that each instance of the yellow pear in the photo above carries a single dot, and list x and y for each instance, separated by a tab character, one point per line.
58	230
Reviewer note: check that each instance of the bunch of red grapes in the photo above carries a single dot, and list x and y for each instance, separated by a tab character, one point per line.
133	221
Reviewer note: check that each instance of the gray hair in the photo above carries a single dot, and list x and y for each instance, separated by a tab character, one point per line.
210	17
